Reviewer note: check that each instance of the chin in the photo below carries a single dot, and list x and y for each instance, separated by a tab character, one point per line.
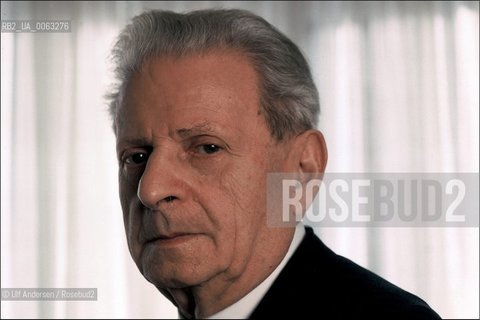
179	266
174	280
176	276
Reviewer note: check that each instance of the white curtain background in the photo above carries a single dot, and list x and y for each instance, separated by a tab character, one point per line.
399	89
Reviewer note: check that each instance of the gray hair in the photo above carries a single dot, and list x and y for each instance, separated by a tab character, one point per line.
288	96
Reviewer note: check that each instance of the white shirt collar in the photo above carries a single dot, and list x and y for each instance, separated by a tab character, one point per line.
245	306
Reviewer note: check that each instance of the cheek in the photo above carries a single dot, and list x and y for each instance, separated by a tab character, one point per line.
238	215
245	190
246	182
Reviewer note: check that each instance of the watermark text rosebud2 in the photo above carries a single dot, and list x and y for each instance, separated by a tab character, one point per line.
374	199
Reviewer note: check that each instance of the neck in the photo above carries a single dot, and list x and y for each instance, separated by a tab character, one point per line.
228	287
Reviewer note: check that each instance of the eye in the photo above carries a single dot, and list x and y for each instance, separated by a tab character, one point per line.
136	158
208	148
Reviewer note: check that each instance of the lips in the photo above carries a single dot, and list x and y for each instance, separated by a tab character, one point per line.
169	239
155	229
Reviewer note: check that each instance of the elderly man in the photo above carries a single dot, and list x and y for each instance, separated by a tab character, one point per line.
207	103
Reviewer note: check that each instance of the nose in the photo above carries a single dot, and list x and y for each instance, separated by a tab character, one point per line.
163	181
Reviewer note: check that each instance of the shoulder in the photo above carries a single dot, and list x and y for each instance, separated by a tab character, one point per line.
318	282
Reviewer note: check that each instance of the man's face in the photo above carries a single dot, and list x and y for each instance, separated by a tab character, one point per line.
194	151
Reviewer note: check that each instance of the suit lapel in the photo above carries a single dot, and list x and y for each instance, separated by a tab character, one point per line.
302	272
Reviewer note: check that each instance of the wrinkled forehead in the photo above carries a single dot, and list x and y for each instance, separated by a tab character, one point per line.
219	72
218	84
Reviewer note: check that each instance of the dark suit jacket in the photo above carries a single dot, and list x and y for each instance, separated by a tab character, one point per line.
317	283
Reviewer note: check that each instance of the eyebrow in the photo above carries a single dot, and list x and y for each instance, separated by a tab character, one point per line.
201	128
197	129
134	142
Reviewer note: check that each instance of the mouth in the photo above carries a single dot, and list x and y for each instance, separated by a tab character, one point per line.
171	239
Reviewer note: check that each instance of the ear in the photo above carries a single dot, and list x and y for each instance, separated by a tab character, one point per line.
310	153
